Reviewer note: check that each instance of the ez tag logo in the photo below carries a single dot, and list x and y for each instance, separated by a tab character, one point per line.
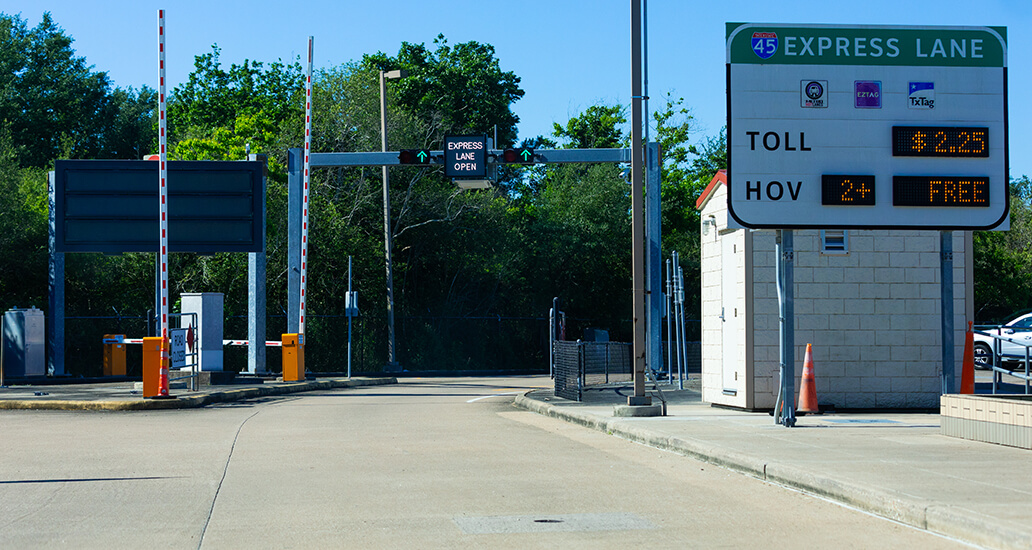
764	44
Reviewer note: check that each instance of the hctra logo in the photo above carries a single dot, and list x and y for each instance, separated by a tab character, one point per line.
764	44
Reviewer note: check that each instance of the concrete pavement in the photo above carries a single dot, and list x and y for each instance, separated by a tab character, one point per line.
123	396
896	465
426	463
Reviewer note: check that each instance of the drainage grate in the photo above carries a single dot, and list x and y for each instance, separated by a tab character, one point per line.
552	523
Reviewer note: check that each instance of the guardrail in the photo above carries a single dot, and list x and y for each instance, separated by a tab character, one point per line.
998	356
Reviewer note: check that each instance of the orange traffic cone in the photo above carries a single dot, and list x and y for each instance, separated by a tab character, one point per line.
967	372
808	388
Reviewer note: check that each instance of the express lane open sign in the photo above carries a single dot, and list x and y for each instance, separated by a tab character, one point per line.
465	156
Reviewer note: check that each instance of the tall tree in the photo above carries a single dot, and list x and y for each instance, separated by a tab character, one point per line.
130	133
462	89
23	229
598	127
214	97
1003	261
54	103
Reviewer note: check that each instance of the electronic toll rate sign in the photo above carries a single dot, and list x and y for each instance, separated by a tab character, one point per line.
862	127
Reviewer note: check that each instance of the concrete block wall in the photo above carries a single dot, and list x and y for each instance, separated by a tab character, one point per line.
873	317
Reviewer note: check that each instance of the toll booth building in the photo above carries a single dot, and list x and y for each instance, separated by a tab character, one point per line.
868	301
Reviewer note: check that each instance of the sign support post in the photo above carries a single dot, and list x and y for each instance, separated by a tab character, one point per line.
784	409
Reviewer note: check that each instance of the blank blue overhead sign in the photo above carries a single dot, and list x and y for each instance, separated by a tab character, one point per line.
111	206
465	156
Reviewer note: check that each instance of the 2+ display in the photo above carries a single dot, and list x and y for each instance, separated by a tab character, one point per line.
847	190
935	141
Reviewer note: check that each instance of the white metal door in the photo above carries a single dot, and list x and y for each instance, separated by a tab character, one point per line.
729	314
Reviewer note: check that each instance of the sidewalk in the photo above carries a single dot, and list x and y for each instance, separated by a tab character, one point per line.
121	396
895	465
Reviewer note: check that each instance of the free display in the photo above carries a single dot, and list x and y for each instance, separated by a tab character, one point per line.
936	141
940	191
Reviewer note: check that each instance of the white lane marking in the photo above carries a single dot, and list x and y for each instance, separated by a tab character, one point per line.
494	395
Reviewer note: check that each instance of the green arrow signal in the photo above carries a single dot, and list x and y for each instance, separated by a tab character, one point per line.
526	154
422	156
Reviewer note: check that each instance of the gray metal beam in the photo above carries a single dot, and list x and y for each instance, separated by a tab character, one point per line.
543	156
256	298
294	183
56	276
653	255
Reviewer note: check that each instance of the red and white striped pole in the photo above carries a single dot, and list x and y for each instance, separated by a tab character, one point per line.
304	194
163	192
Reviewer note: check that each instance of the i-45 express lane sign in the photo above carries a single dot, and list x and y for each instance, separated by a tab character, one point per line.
859	127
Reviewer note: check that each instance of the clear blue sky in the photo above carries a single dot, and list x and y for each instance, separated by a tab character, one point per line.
569	54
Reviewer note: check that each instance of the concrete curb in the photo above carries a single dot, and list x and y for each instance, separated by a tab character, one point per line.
192	401
936	517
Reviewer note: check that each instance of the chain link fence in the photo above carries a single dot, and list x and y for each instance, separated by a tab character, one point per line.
582	364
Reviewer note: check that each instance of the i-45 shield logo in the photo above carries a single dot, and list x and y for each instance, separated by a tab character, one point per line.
764	44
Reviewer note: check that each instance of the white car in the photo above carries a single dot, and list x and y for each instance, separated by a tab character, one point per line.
1018	329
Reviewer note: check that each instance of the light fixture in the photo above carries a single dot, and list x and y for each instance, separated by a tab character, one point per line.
710	220
473	184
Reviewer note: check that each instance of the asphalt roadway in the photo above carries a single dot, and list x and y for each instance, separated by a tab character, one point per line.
447	462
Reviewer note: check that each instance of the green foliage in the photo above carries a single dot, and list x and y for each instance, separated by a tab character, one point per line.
1003	261
53	101
255	130
458	90
130	133
23	230
213	97
597	128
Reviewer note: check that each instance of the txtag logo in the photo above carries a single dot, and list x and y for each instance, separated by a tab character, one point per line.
813	93
922	95
867	94
764	44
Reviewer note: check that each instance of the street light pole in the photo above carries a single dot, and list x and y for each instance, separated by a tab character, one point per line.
392	361
637	215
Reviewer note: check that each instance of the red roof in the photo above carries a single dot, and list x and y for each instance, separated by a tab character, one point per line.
720	177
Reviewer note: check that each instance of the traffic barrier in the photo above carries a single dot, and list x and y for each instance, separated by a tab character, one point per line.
151	366
293	357
114	355
808	388
967	372
269	343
